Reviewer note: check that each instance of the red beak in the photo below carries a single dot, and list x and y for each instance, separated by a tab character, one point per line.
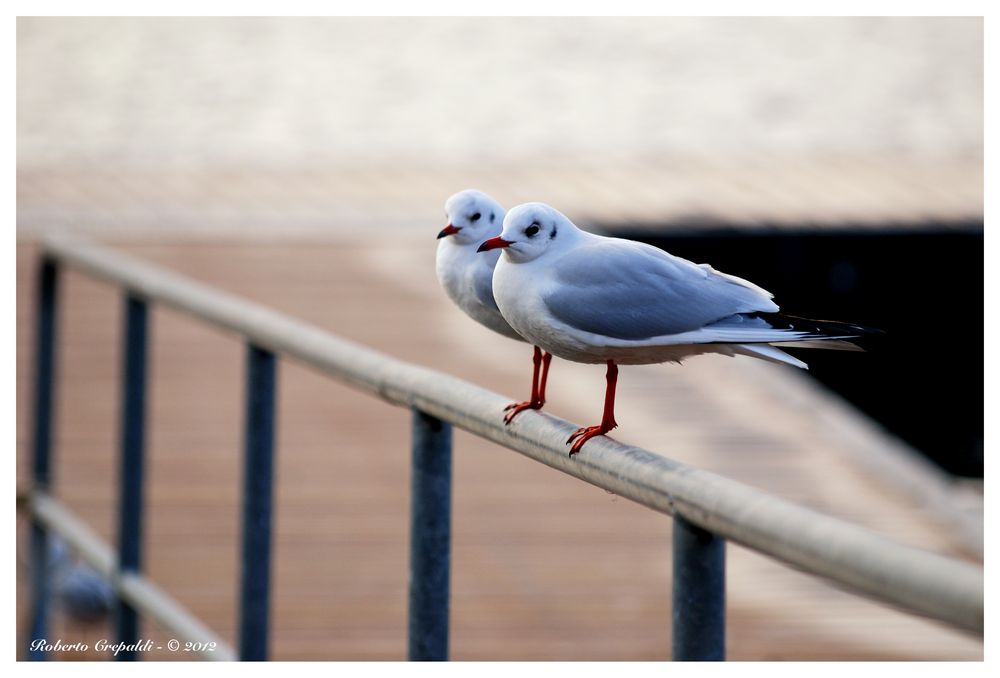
494	243
448	230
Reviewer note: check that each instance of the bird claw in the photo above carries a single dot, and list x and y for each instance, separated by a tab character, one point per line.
584	434
515	409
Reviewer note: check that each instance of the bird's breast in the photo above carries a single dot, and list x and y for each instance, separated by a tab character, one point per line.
519	293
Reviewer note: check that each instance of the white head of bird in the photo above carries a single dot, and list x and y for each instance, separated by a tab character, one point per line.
532	230
472	217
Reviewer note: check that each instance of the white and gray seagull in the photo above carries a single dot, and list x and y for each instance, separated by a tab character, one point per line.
467	277
593	299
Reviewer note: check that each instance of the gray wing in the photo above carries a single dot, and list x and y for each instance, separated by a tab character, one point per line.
632	291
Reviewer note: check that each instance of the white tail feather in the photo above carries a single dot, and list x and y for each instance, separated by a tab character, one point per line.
770	354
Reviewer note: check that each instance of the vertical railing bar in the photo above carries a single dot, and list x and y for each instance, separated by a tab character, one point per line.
699	593
45	367
130	507
258	472
430	539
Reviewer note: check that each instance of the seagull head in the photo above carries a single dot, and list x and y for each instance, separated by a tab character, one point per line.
530	230
472	217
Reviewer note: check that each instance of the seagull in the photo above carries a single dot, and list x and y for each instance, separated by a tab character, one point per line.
594	299
467	277
81	592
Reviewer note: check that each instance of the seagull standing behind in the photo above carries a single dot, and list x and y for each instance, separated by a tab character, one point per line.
593	299
467	277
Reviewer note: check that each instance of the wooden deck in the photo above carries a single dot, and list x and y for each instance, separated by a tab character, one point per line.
545	567
693	191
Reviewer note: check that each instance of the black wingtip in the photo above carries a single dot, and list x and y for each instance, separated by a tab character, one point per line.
862	336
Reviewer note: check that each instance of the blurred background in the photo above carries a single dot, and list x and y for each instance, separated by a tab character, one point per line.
304	163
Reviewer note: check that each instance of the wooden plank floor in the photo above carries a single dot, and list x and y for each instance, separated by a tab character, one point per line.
691	191
545	567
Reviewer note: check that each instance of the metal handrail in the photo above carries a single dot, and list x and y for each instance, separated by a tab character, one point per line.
134	589
851	556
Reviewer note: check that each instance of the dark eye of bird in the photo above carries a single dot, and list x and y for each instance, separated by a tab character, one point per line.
531	231
475	217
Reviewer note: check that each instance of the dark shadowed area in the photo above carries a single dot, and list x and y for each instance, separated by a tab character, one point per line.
919	283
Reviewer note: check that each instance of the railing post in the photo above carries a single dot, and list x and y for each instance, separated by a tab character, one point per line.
45	366
258	472
130	507
430	538
699	596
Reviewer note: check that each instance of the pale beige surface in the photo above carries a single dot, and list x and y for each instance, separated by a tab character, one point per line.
281	127
545	567
183	91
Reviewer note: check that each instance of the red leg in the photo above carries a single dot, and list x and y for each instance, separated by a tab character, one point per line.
537	400
608	422
546	359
